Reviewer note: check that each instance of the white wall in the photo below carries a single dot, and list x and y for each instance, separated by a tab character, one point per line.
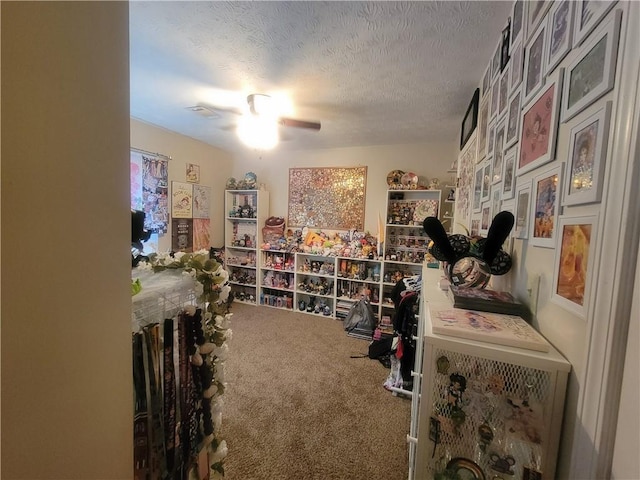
591	344
215	167
66	305
272	168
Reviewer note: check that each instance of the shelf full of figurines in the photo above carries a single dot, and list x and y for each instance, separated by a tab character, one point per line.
242	259
278	261
242	276
243	237
319	286
354	291
312	304
276	298
278	280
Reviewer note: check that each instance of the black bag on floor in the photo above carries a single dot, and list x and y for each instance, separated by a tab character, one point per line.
378	348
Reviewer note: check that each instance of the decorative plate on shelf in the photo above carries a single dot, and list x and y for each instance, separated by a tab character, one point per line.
409	180
424	209
394	177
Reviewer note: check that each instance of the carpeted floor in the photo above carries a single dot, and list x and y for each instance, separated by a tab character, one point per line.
298	407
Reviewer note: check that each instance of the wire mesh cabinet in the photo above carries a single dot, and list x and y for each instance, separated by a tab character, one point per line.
486	410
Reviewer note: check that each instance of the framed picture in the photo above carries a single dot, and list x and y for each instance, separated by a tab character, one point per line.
535	14
495	61
545	207
559	31
516	67
486	181
504	49
490	138
193	173
573	268
503	91
486	80
534	63
509	173
538	126
588	143
483	123
592	72
485	218
508	206
475	227
477	188
470	120
513	120
523	199
181	200
498	151
495	98
496	200
517	21
588	16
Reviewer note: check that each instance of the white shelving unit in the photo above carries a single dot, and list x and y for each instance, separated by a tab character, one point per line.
315	281
277	279
245	213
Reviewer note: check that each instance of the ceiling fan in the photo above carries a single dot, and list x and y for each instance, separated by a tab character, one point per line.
259	120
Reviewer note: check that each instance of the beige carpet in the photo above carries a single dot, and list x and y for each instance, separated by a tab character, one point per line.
298	407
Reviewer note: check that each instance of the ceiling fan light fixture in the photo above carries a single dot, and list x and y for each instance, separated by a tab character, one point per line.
258	132
261	105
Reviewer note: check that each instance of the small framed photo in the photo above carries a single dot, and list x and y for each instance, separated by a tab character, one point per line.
504	91
508	206
490	138
559	31
470	120
513	120
588	143
193	173
574	263
475	227
506	42
535	13
539	125
517	21
516	66
486	181
509	173
486	80
495	61
496	200
588	15
485	218
495	98
483	123
523	200
498	151
534	63
477	188
545	207
592	72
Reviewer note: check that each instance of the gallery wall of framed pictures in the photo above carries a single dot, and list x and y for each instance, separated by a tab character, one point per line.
544	121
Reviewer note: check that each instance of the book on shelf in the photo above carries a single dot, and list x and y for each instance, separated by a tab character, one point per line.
487	300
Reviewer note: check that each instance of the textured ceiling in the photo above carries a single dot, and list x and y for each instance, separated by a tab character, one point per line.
371	72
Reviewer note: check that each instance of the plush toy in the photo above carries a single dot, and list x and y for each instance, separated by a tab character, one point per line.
470	262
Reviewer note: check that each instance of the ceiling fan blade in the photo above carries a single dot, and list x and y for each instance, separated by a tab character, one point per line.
292	122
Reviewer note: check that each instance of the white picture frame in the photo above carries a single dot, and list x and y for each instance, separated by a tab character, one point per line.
483	126
559	33
490	137
523	203
486	81
513	119
536	9
534	62
586	158
518	16
498	151
539	126
516	66
509	173
496	200
486	180
546	192
495	61
503	91
495	98
477	188
588	15
574	263
592	72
